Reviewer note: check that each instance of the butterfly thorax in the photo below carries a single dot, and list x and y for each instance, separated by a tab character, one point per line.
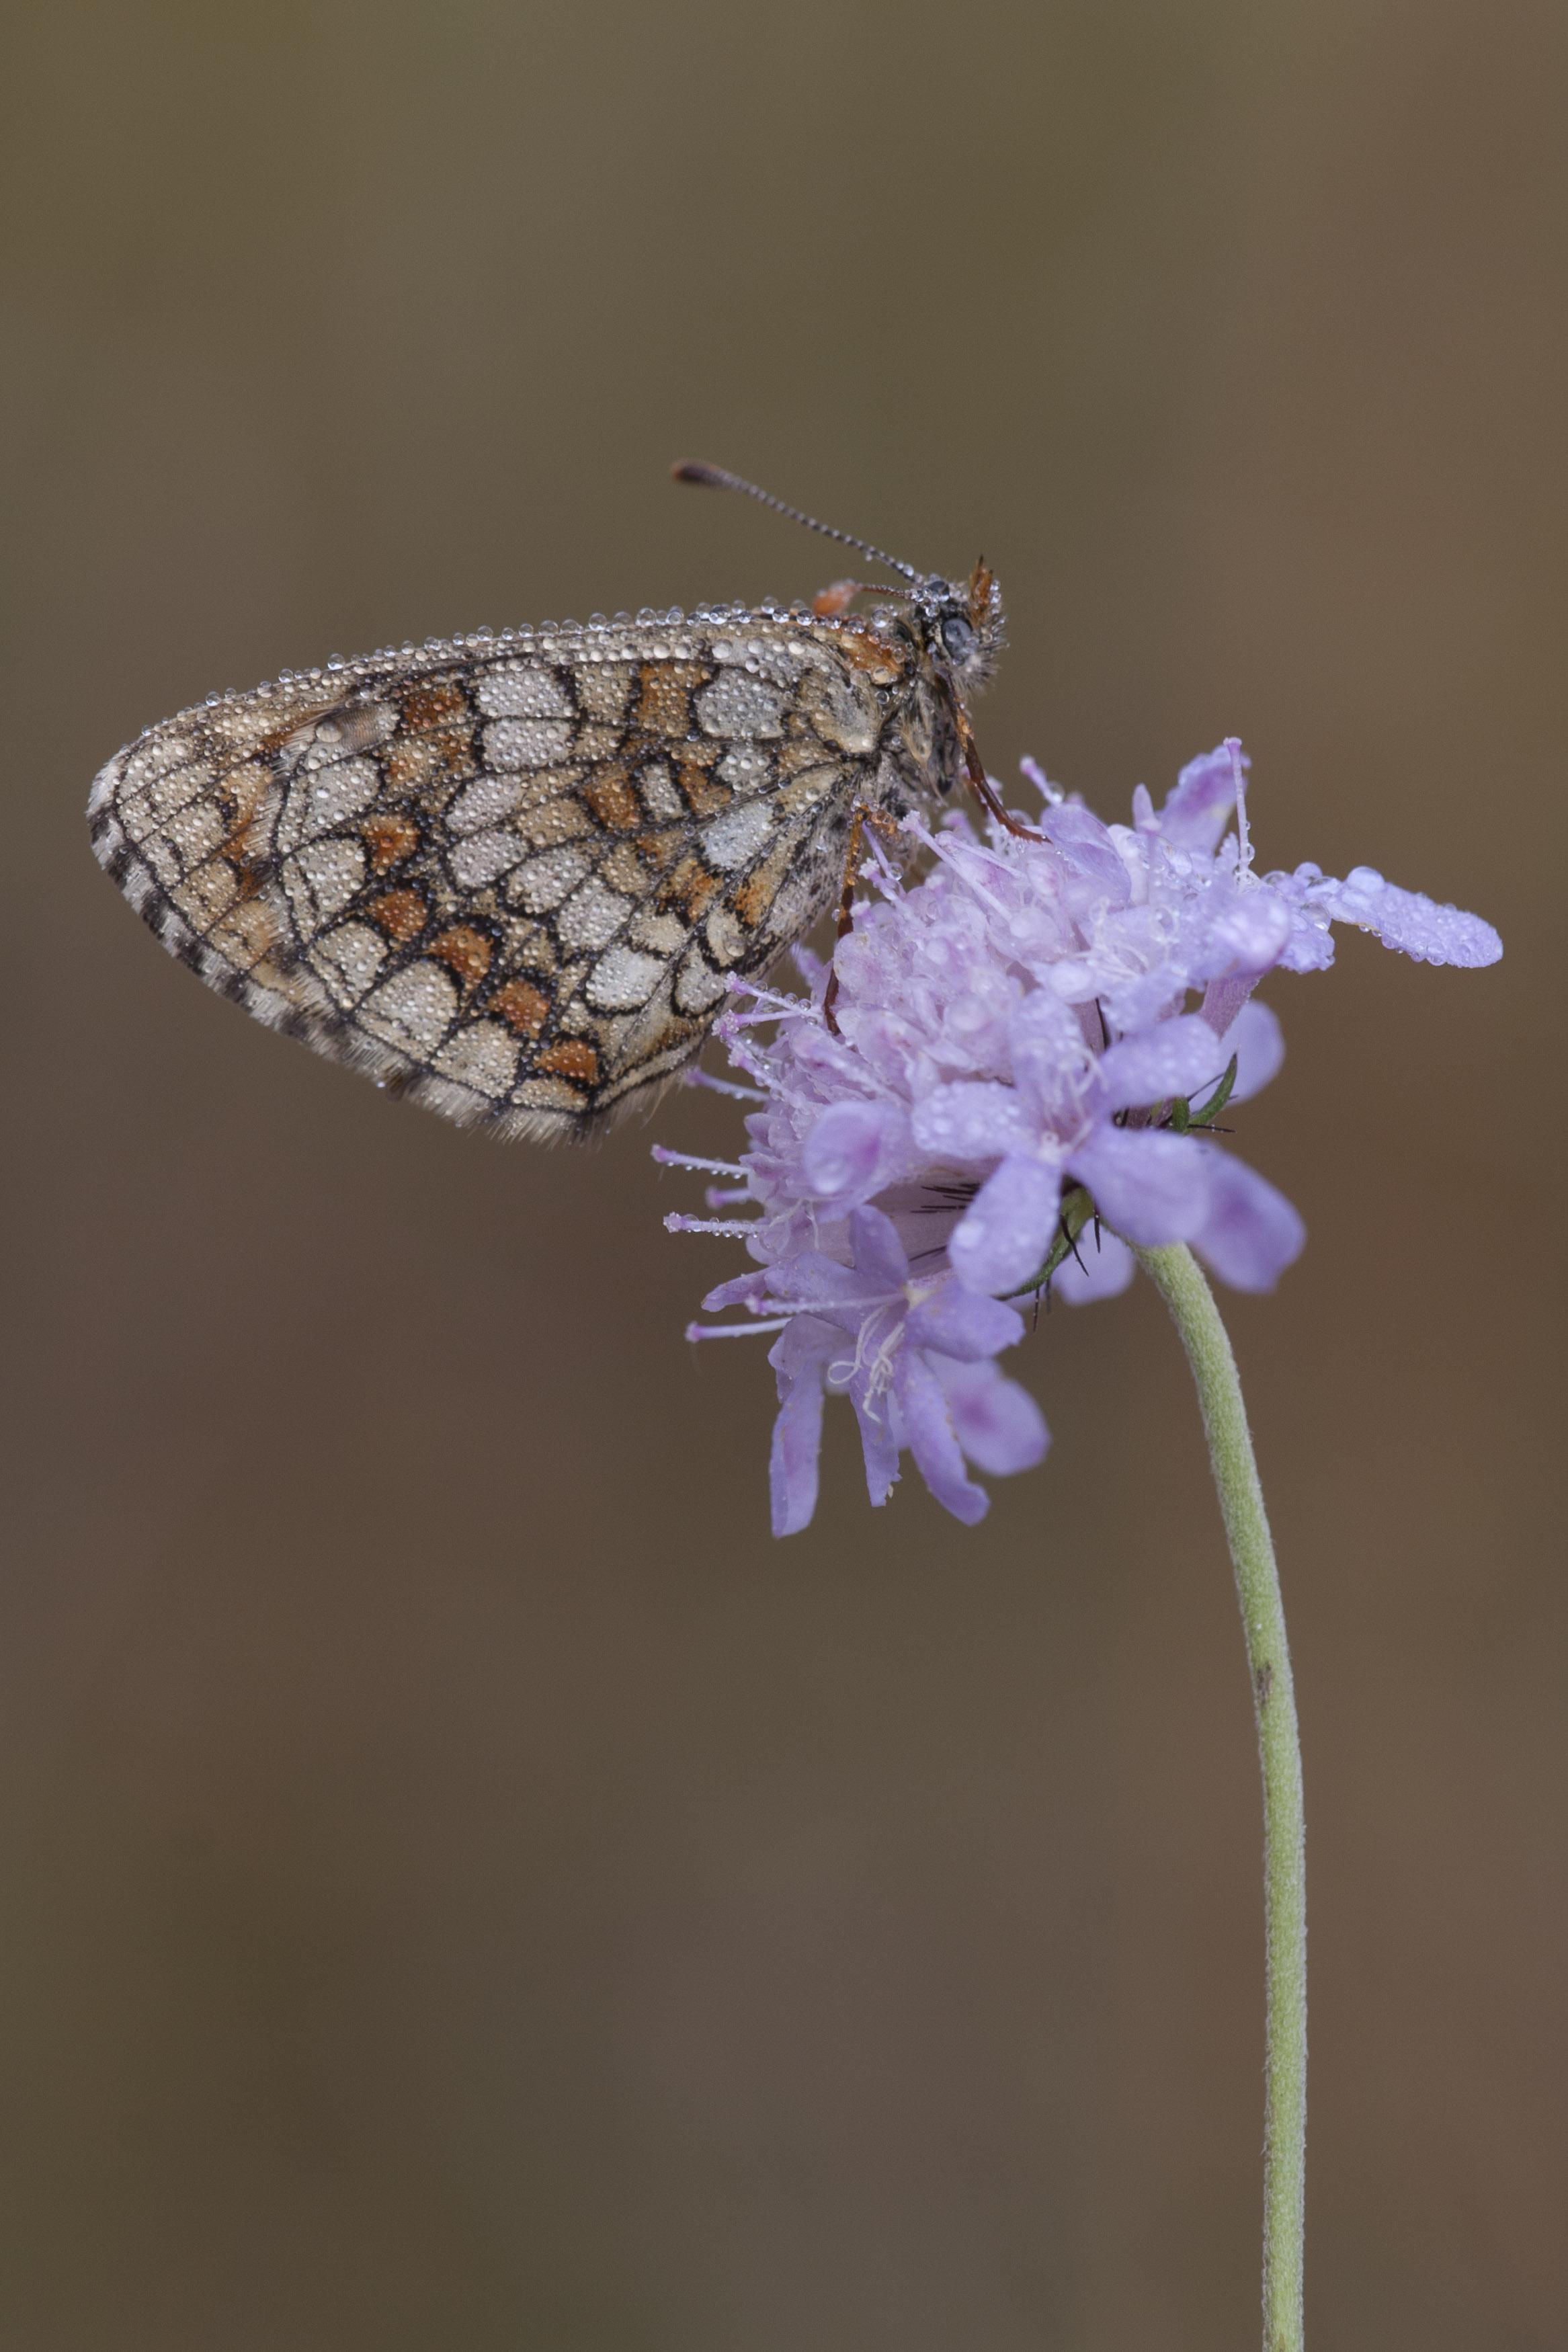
949	635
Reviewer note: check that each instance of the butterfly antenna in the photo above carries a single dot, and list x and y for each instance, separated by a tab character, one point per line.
714	477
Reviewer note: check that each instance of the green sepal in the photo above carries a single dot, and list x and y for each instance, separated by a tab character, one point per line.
1183	1116
1077	1209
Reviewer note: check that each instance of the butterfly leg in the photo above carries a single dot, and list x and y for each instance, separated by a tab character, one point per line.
860	816
978	782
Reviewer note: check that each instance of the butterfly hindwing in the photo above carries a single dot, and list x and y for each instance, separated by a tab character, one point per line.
515	877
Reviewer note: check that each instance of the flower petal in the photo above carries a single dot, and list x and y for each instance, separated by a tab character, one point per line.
798	1357
1251	1233
1198	807
997	1424
742	1290
1151	1185
937	1454
1257	1042
1051	1061
853	1148
820	1281
880	1260
1245	934
1088	845
1006	1231
879	1443
963	1323
972	1119
1173	1057
1408	920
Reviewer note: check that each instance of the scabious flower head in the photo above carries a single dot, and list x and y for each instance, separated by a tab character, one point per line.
1016	1078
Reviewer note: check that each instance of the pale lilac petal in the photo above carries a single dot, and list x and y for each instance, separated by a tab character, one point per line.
853	1148
797	1359
937	1454
997	1424
1223	1000
972	1119
820	1281
1050	1054
1102	1269
1150	1185
1257	1042
742	1290
1198	809
880	1260
805	1347
811	968
1006	1231
1050	793
1311	944
879	1443
1247	934
1174	1058
1080	835
1251	1233
963	1323
1409	921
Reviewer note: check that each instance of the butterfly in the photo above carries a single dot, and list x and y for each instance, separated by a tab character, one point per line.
514	876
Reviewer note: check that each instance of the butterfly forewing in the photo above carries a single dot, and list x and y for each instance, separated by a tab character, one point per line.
515	877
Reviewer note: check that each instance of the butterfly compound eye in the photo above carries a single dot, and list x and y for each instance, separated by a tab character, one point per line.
957	636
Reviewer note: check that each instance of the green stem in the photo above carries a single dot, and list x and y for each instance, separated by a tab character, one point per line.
1180	1282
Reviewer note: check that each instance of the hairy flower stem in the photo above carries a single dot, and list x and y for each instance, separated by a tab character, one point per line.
1180	1282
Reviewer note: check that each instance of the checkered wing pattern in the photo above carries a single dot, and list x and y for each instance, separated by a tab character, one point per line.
512	877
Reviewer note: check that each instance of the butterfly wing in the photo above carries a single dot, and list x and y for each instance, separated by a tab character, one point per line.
514	876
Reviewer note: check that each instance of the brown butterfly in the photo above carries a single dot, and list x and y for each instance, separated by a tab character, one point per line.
515	876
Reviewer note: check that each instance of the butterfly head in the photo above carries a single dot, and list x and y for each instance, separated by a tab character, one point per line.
959	623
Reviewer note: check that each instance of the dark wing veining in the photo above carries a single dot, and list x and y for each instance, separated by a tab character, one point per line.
514	876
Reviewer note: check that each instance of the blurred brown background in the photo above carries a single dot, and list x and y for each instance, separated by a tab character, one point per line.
462	1884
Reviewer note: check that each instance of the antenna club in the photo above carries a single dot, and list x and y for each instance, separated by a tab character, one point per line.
715	478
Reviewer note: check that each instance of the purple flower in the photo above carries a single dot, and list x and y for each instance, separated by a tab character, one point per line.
912	1356
1027	1051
